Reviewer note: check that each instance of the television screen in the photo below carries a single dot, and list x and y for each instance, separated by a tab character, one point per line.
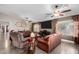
46	24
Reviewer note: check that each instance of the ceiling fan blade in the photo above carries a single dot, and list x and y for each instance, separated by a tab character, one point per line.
66	11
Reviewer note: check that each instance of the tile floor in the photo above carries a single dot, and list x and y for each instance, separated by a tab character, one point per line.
66	47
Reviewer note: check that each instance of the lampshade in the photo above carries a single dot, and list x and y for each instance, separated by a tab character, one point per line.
32	35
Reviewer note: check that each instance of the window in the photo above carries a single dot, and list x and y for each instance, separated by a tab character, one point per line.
65	27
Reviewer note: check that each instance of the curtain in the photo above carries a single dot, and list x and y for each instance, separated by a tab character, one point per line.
75	18
76	23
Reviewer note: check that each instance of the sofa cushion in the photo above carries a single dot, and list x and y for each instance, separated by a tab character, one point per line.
25	33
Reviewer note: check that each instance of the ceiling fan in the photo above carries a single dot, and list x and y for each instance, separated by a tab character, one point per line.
59	10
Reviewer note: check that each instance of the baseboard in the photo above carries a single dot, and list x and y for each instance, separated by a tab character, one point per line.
67	41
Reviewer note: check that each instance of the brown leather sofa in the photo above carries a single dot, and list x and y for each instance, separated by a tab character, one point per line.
49	42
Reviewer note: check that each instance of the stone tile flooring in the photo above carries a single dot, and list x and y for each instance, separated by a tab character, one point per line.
65	47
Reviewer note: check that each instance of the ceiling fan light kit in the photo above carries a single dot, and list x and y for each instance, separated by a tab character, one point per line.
60	11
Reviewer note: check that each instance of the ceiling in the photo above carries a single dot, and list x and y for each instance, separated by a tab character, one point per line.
35	12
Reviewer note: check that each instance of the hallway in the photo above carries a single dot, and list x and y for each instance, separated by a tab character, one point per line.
5	47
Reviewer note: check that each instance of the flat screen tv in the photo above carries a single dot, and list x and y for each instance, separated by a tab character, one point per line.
46	25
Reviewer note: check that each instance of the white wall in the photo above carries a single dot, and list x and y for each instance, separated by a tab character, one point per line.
12	22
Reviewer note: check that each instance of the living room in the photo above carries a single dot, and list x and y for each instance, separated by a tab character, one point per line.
39	29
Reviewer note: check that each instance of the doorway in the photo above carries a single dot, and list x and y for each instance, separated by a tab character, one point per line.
4	36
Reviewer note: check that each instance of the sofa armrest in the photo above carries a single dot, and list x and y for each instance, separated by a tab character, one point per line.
42	44
43	41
